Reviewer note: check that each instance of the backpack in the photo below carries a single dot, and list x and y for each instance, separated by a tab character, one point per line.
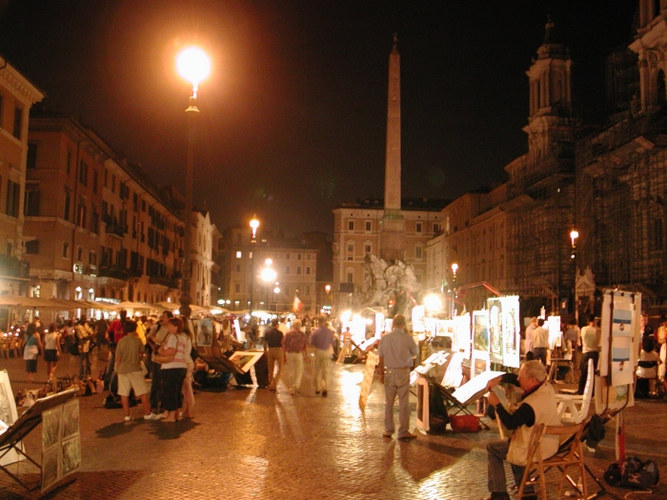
633	473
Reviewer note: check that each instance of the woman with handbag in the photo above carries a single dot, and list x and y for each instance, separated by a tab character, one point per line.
32	345
172	355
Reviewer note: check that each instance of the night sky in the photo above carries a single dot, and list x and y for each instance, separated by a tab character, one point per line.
293	115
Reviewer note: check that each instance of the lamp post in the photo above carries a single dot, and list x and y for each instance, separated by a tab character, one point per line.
455	268
254	225
574	234
194	66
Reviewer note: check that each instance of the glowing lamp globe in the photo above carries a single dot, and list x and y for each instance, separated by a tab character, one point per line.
193	65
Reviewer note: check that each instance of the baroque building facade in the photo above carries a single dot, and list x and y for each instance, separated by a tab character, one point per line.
17	95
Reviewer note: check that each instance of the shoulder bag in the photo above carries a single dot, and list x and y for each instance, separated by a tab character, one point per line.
160	357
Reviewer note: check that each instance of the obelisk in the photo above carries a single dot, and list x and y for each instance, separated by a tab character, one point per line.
392	236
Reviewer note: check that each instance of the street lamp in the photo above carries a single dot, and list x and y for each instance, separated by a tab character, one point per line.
194	66
254	225
455	268
574	234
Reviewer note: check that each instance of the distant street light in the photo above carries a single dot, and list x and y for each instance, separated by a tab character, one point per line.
254	225
574	234
194	66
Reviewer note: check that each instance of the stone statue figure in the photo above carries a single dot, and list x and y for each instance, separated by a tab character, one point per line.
385	282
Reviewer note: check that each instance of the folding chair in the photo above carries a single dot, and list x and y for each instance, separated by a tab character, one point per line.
569	455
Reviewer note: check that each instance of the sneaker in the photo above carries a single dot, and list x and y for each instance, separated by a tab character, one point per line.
127	418
149	416
324	394
407	437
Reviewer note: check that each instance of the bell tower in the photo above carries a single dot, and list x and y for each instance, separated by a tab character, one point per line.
550	115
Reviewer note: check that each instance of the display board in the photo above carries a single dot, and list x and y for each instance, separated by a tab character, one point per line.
620	335
8	415
61	443
205	332
480	342
461	340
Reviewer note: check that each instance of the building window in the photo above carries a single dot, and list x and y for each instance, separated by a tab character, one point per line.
67	204
367	249
32	247
32	199
368	225
287	256
350	277
237	287
239	254
12	206
18	122
436	228
92	258
298	256
298	269
31	161
65	250
308	270
287	270
418	252
350	225
83	173
419	227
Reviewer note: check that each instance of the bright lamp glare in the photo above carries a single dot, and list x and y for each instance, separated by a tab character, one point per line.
433	303
193	65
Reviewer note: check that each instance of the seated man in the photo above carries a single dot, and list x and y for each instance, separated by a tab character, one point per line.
538	406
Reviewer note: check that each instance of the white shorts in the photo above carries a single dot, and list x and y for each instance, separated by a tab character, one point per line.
134	380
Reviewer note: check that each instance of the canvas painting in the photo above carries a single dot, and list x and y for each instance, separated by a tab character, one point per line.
245	359
205	332
71	418
51	427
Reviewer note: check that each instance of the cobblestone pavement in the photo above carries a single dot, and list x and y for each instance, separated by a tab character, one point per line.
251	443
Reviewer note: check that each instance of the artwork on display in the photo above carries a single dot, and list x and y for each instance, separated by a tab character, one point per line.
504	332
367	381
418	316
245	359
205	332
461	340
480	328
475	388
52	421
454	372
553	327
8	415
61	442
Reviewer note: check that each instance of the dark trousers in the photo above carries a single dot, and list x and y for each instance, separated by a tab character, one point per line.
156	386
172	388
594	355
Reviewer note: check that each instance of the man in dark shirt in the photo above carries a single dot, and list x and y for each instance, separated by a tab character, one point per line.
273	348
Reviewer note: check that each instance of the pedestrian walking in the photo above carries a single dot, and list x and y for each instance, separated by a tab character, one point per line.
51	349
396	352
322	339
540	339
31	345
273	349
294	345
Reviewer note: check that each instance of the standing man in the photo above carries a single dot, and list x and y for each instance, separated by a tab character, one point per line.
540	342
294	344
273	349
397	350
322	339
590	346
155	338
129	351
538	407
528	342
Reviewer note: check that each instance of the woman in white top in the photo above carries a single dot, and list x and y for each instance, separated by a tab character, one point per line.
178	344
51	349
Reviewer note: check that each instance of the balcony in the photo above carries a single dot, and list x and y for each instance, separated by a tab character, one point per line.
168	281
13	267
114	272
